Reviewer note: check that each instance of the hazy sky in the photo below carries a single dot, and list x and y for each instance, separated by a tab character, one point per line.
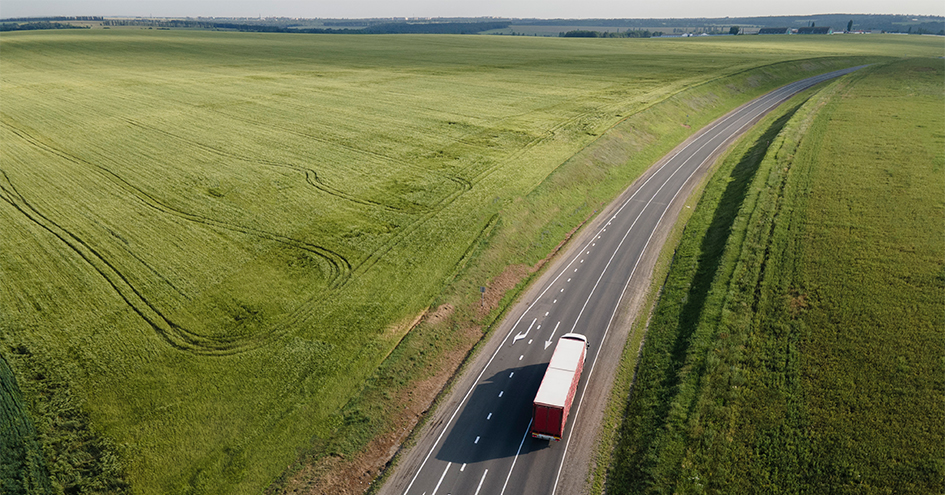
462	8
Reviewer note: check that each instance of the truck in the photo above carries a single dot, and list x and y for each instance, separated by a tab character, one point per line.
556	392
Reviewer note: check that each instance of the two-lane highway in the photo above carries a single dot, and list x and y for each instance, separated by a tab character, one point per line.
480	444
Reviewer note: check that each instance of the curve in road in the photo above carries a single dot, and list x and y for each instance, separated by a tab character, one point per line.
480	443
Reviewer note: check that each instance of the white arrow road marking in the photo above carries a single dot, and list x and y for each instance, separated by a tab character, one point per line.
521	336
548	342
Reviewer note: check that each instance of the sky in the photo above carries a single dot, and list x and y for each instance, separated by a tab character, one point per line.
547	9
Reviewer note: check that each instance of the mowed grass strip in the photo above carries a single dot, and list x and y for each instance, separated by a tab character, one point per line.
812	367
208	237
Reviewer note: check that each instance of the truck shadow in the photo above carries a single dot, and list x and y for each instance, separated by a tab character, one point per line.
495	418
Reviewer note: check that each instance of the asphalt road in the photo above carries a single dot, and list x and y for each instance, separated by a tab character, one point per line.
478	442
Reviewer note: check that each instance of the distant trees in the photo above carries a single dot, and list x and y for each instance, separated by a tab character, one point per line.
850	26
29	26
580	33
733	30
371	28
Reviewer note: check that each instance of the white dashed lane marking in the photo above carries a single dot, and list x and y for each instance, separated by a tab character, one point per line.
481	480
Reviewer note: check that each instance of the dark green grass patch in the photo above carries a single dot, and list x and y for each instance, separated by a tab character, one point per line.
22	463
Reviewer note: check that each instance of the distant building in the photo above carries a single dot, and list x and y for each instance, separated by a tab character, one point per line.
774	30
814	30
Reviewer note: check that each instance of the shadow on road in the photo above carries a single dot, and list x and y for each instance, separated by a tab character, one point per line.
493	427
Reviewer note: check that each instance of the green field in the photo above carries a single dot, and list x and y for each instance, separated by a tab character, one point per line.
797	345
212	240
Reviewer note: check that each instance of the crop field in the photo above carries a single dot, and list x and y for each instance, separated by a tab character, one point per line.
797	344
212	240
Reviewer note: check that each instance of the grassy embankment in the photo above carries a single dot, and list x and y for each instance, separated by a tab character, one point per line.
796	346
212	240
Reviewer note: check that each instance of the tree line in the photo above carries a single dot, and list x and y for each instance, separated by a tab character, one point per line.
30	26
385	28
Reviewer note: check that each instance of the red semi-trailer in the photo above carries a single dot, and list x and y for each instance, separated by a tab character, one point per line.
557	389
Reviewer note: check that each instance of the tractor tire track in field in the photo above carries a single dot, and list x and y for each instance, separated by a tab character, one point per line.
311	176
306	135
340	267
463	185
176	335
410	208
342	270
372	258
